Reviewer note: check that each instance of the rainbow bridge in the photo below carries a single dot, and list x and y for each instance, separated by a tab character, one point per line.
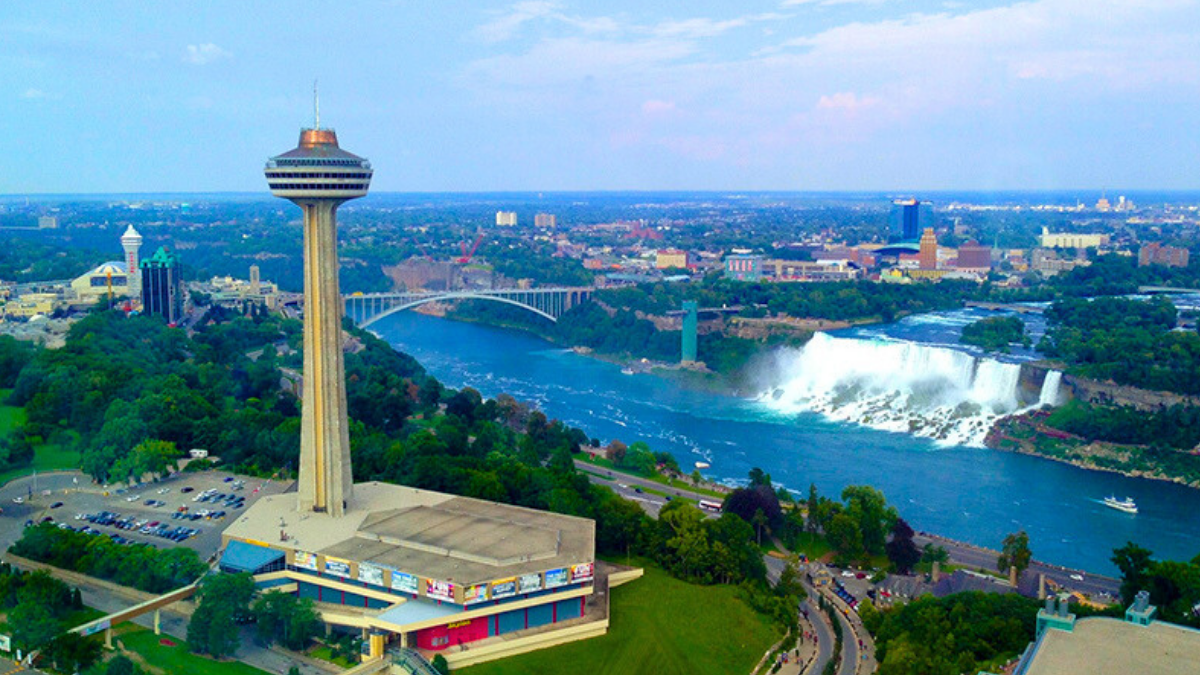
365	309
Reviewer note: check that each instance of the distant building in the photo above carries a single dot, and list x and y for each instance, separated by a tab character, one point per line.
1045	262
1156	254
506	218
47	223
972	256
1102	204
804	270
743	267
131	241
671	257
928	255
906	220
1069	240
546	220
99	281
162	290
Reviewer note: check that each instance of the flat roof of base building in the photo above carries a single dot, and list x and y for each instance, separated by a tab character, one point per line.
423	533
1104	646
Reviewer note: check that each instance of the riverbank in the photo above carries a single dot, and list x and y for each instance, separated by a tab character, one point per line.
1029	435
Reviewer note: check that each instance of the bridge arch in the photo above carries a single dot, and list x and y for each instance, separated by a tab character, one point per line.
454	296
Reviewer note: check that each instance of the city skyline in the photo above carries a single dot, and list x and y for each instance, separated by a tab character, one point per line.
793	95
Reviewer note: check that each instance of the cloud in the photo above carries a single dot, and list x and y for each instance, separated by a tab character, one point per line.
854	83
204	54
507	24
846	100
657	107
33	94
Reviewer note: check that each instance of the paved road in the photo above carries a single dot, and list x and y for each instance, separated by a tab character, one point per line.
10	667
1093	585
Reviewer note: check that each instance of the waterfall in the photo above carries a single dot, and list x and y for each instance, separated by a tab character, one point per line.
906	387
1050	395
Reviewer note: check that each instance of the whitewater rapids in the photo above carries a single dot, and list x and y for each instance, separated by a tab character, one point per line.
905	387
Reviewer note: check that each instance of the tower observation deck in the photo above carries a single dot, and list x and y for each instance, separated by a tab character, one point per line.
318	176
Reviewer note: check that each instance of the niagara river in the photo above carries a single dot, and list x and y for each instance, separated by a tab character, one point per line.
898	407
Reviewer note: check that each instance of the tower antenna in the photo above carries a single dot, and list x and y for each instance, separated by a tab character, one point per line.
316	106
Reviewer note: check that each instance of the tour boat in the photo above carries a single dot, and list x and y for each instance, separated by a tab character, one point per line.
627	371
1127	505
702	465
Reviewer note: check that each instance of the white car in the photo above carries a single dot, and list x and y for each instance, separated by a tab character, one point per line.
1077	577
133	498
163	491
18	500
847	573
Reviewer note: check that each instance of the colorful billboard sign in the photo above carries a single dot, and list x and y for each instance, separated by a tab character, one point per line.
305	560
405	583
337	567
439	590
370	574
557	577
476	593
528	583
504	588
581	573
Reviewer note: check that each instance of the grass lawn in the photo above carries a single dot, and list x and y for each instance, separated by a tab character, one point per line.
326	654
660	626
812	545
10	416
45	458
178	660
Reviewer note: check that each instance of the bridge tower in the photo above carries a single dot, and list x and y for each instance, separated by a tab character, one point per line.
687	351
318	176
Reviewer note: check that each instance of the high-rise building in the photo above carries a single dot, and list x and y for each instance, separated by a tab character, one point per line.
928	255
506	218
547	220
131	241
162	290
411	568
318	176
1157	254
906	220
974	257
47	223
255	279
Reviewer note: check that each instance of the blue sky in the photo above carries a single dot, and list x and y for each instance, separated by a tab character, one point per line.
562	95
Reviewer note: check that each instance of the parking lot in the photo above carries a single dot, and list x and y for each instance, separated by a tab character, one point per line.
173	505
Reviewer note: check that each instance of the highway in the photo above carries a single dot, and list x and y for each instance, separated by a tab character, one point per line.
975	557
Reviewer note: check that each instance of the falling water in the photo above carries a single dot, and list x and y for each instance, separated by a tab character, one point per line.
907	387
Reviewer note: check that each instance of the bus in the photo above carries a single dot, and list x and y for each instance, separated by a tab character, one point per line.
711	506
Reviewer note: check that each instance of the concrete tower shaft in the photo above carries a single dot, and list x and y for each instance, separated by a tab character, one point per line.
318	176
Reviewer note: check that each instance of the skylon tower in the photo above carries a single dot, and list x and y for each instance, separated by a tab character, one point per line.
318	176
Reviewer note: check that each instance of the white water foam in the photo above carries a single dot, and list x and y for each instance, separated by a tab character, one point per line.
905	387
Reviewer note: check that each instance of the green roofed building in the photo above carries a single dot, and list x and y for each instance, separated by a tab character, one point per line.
162	289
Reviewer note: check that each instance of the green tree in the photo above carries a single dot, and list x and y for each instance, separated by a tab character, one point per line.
283	617
901	550
120	665
223	601
71	652
1015	553
439	664
33	624
1133	561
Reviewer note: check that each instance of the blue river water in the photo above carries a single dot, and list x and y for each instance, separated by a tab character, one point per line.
967	493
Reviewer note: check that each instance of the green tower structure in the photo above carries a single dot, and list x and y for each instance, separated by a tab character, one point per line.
688	339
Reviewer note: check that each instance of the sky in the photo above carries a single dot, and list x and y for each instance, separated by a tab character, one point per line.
549	95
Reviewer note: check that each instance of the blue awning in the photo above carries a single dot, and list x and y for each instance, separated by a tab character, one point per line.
242	557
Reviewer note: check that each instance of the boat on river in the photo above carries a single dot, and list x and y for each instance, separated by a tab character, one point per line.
1127	505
